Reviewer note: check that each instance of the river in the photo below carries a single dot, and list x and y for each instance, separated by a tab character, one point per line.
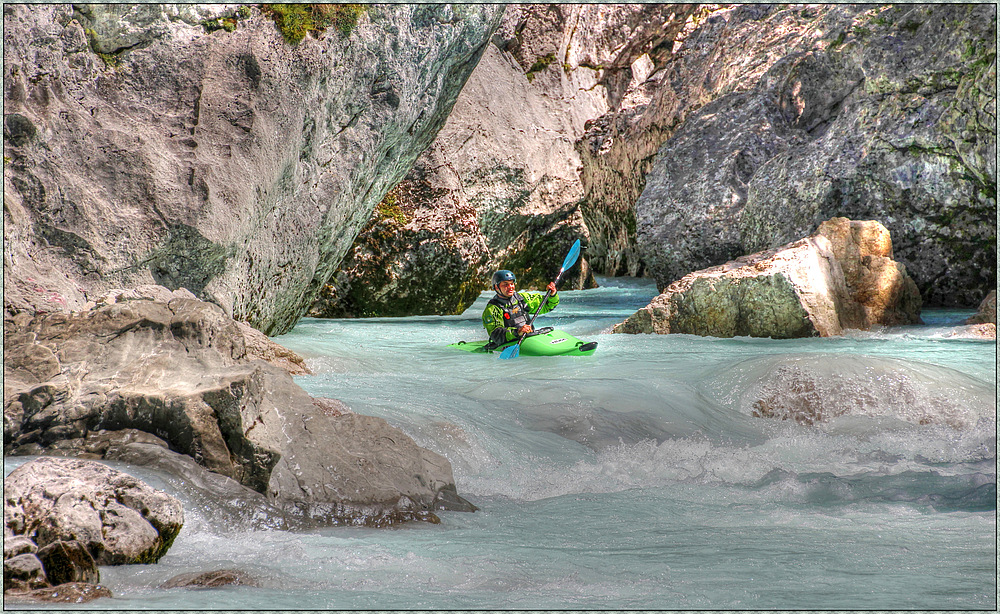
637	478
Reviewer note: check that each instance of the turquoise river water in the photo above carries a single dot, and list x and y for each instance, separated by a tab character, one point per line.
639	477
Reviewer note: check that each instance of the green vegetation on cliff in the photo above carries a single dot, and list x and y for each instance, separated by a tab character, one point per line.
297	20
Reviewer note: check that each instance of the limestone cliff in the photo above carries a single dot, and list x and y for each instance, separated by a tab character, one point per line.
767	119
194	146
501	187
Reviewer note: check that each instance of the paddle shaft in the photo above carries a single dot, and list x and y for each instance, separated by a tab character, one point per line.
545	299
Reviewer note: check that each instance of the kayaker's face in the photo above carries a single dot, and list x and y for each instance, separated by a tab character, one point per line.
506	288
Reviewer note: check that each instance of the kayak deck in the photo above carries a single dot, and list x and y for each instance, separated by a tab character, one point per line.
544	342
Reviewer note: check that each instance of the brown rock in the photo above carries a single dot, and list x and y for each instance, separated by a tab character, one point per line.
68	561
841	277
73	592
211	579
23	572
987	312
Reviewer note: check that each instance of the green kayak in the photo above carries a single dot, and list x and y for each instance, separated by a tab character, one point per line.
543	342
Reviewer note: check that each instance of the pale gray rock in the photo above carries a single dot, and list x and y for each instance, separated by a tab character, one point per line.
177	375
711	52
15	545
65	505
841	277
146	147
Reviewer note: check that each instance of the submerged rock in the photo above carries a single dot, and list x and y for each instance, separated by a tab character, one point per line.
73	592
211	579
816	389
841	277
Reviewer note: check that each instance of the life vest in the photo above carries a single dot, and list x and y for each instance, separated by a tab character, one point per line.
515	310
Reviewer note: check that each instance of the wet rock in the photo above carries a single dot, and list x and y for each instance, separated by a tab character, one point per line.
68	561
840	277
178	376
114	517
73	592
812	389
974	331
211	579
23	572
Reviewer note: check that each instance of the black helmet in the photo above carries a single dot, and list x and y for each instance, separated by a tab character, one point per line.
502	275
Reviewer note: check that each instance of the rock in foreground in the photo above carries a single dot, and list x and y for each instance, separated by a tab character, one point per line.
118	519
178	375
843	276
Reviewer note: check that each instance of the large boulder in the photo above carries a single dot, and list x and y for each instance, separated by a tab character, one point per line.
873	112
501	187
195	146
178	375
117	518
843	276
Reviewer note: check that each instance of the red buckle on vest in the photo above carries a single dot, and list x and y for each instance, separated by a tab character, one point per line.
506	316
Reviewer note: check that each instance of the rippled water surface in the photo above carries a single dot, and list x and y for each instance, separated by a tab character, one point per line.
663	472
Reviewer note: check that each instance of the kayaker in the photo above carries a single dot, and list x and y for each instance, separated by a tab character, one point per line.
507	314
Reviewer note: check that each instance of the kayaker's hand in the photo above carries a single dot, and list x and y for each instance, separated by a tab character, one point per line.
551	287
524	330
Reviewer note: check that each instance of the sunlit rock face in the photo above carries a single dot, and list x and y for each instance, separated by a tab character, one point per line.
766	120
119	519
182	375
145	146
987	312
501	185
843	276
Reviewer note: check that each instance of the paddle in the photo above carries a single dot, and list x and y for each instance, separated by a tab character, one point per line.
569	261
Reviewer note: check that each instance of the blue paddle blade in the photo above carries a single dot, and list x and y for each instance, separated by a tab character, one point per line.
574	253
511	352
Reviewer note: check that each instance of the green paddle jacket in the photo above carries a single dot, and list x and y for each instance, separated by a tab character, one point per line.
503	316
